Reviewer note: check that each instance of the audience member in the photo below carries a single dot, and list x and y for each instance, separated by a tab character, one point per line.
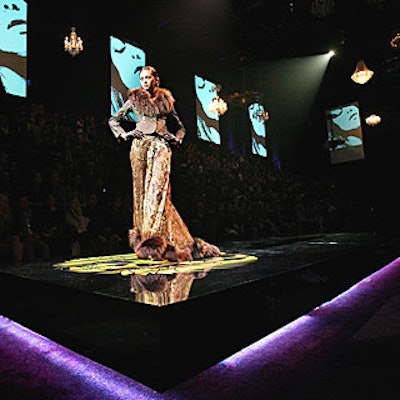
54	228
35	247
83	242
11	247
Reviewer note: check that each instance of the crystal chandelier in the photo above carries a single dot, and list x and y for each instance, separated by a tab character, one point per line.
362	74
244	99
373	120
395	42
218	105
73	44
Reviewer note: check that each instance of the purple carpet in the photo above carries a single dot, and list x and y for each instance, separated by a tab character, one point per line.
33	367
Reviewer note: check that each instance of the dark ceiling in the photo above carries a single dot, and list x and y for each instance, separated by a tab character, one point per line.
254	29
259	29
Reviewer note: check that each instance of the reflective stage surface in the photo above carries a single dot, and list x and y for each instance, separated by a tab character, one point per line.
161	324
243	262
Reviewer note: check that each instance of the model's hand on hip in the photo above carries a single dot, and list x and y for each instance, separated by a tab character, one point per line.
171	138
135	134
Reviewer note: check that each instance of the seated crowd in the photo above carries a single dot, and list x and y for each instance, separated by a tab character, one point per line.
65	191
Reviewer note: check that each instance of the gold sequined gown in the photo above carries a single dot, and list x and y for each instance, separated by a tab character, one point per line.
158	230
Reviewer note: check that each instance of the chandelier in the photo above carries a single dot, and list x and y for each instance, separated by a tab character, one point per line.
361	74
244	99
218	105
395	42
373	120
73	44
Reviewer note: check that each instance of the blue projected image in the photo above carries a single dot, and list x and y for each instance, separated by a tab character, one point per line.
258	129
207	122
13	46
126	61
345	133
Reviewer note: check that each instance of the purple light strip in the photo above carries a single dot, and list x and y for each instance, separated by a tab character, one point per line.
345	301
253	370
106	383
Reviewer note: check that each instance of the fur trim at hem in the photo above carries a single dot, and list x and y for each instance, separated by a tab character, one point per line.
157	248
203	249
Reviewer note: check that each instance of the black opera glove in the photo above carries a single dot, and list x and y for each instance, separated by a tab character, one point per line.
135	134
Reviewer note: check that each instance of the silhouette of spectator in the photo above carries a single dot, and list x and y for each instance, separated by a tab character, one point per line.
35	247
53	227
106	241
11	247
83	242
37	190
117	222
56	187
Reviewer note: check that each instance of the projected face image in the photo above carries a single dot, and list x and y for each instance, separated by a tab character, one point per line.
207	122
13	46
205	93
258	142
344	133
126	62
258	124
13	26
346	125
347	117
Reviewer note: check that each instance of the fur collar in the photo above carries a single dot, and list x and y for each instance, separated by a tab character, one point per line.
161	103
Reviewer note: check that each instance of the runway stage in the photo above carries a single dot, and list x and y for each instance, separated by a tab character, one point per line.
163	323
